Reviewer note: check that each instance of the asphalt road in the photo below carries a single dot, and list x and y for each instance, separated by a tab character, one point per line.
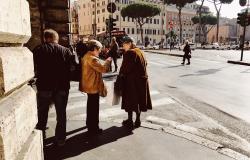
209	84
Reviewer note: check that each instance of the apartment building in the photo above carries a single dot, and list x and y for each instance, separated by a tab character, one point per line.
74	22
155	28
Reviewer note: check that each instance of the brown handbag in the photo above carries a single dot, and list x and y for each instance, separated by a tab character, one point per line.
103	90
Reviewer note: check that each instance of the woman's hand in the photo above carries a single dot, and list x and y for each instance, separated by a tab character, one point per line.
109	59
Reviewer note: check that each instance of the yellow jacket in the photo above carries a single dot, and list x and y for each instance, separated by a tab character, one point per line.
92	69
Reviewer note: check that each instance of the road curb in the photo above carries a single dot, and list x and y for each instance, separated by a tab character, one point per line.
238	62
168	54
179	132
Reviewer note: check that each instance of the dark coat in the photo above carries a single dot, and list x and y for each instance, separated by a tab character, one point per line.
135	85
52	67
114	51
186	51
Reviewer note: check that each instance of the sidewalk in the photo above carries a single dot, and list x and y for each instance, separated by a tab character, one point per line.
177	53
118	143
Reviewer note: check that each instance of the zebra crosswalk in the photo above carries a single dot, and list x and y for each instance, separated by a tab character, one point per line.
76	108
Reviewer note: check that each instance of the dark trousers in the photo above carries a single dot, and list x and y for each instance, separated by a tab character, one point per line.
115	63
92	121
186	56
44	100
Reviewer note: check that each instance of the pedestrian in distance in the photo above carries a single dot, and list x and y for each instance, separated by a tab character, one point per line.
52	70
114	52
92	83
133	81
187	53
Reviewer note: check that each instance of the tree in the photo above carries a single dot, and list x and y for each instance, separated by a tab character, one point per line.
205	20
140	12
179	5
218	5
200	13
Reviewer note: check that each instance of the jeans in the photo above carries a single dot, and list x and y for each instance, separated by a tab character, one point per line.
44	100
92	121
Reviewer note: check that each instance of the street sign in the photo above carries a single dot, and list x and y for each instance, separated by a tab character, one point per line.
111	7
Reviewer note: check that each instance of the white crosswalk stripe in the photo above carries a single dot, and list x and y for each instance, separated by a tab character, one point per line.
78	101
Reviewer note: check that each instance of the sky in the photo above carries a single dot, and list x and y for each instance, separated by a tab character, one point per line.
228	10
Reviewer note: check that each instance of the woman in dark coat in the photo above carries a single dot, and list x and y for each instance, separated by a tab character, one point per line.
134	79
187	53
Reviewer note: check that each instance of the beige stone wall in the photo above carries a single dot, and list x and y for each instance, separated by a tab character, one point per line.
223	34
18	109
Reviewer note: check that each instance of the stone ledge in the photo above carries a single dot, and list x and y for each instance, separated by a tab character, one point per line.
16	67
239	62
18	118
14	21
33	148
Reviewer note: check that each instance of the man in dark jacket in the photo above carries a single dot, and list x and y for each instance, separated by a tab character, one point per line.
52	70
187	53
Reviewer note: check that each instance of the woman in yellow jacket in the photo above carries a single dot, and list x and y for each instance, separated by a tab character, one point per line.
92	83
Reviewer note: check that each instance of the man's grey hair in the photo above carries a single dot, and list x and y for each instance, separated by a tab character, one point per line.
50	34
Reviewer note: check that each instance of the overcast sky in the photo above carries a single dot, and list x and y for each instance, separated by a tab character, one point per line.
228	10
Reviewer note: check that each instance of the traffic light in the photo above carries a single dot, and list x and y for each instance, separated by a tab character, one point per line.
243	19
112	23
107	25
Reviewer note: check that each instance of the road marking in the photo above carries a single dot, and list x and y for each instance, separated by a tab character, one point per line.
154	92
162	101
77	94
76	105
156	63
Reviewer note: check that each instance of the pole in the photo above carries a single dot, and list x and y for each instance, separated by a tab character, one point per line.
94	28
244	33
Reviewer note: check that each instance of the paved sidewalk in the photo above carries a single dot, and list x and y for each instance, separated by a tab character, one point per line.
177	53
118	143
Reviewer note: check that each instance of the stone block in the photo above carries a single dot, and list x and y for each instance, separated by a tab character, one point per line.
16	67
57	15
59	3
33	148
14	21
18	118
60	28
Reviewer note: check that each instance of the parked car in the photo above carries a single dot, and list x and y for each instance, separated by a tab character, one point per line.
149	47
211	46
192	46
140	46
156	47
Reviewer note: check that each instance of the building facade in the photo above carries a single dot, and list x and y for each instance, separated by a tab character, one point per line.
188	28
74	26
154	29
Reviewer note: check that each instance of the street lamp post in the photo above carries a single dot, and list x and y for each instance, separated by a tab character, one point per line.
244	33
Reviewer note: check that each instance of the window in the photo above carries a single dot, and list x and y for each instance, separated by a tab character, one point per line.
133	31
123	18
103	19
98	20
128	19
123	29
150	21
158	32
117	17
103	10
98	4
103	29
145	31
132	19
98	11
128	31
93	13
154	21
146	20
83	5
138	31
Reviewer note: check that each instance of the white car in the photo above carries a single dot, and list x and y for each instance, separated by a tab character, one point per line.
140	46
156	47
211	46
